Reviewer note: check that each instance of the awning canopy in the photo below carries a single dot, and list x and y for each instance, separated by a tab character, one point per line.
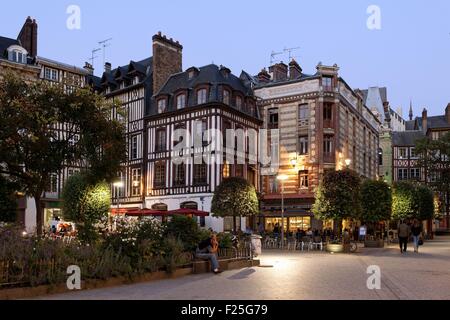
189	212
146	213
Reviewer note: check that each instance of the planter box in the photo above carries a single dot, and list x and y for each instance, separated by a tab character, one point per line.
335	248
374	243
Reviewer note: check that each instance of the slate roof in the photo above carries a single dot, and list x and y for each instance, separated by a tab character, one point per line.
406	138
271	83
5	43
212	75
410	125
436	122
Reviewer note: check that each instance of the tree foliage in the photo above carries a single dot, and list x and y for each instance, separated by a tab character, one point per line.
339	196
8	201
86	204
376	201
235	197
435	158
186	230
412	201
31	147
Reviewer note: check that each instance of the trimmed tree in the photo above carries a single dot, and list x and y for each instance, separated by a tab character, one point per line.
8	201
339	197
86	204
435	158
31	147
404	201
235	197
425	203
376	202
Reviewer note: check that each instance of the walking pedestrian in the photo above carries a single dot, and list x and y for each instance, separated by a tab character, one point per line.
416	231
404	231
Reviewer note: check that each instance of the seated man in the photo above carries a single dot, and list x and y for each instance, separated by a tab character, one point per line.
207	249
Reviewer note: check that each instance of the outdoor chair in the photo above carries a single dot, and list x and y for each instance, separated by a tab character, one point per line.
317	243
306	243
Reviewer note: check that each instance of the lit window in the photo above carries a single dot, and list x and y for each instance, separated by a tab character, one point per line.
201	96
304	179
161	105
136	182
181	101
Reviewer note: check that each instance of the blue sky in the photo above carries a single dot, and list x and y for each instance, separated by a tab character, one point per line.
410	54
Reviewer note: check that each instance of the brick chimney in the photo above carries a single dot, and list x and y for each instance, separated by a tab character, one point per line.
295	71
447	113
167	60
108	67
264	76
279	71
425	121
28	36
89	68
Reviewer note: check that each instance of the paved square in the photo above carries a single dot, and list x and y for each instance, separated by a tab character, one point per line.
306	276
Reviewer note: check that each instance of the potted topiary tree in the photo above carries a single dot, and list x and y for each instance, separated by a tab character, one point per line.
376	203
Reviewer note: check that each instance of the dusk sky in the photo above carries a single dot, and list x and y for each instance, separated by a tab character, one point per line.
410	54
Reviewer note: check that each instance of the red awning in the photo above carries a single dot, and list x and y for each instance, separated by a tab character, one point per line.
188	212
146	213
122	211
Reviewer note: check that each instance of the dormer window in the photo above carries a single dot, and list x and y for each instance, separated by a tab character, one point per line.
226	97
239	103
201	96
181	101
17	54
161	105
135	80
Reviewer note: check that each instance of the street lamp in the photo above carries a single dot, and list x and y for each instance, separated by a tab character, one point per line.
348	162
118	184
282	178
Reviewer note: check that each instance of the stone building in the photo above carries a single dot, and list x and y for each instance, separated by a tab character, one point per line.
324	125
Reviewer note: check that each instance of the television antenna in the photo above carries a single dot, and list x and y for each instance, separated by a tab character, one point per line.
273	56
105	43
290	51
93	56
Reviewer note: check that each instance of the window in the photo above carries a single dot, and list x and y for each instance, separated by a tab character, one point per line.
402	174
413	153
201	96
239	103
51	74
403	153
53	185
226	169
17	56
304	179
303	114
179	178
201	131
136	182
160	140
200	173
415	174
273	185
327	83
273	118
161	105
328	145
327	111
226	97
160	175
181	101
303	145
134	147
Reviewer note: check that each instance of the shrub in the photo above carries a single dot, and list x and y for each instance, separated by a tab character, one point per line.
186	230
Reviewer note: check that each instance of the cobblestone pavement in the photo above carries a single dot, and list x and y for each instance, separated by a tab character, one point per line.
299	276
